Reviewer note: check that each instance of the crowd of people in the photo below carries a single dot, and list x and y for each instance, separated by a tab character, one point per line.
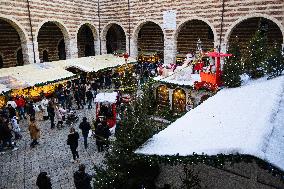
59	109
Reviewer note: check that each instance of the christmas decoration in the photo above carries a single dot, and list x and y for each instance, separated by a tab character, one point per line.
232	68
275	62
255	54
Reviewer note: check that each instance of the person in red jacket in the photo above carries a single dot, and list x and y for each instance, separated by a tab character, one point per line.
21	103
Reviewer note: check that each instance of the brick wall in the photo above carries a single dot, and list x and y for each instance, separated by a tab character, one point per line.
73	13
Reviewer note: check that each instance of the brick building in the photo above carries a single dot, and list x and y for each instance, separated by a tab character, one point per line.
37	31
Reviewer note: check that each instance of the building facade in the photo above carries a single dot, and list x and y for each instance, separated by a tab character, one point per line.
37	31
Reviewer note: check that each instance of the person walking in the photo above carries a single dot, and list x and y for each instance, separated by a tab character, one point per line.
21	103
16	128
43	181
85	127
77	97
51	113
99	135
82	179
34	132
72	141
90	98
60	115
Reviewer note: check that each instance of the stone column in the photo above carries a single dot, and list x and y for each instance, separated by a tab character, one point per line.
169	47
97	46
134	48
28	55
36	52
104	48
171	91
71	48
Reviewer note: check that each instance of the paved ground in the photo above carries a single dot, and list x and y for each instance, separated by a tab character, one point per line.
19	169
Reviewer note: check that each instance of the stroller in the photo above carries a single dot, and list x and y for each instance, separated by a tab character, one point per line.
71	118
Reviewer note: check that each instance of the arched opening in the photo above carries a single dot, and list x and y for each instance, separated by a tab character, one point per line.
179	100
50	37
10	42
115	39
162	96
245	30
85	41
20	58
45	56
150	42
61	50
190	33
1	62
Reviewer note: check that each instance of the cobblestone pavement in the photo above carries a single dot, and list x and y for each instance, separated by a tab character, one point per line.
19	169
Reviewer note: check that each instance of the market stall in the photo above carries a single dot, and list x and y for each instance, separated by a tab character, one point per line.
106	107
152	57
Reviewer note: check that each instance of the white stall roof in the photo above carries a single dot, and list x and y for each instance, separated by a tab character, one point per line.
106	97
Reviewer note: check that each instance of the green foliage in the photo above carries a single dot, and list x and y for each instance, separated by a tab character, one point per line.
124	168
232	68
275	62
128	82
191	179
255	55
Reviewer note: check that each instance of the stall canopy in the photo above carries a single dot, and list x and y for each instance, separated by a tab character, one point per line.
32	74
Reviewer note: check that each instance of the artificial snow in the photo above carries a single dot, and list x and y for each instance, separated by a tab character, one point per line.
180	78
106	97
245	120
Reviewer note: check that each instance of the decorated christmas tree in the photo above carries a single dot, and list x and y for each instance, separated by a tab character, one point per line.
128	81
275	62
255	54
125	169
232	68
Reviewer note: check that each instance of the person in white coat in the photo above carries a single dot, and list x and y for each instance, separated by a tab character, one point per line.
16	128
60	115
44	104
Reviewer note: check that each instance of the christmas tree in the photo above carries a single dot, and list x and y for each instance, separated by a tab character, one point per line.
255	55
128	81
232	68
125	169
275	62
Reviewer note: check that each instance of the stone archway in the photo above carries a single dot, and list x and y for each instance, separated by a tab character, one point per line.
190	31
148	36
12	38
113	38
49	37
245	29
87	40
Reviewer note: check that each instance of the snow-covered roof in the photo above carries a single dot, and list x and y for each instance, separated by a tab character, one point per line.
182	76
246	120
32	74
92	63
106	97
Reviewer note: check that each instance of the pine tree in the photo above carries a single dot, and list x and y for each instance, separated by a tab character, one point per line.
125	169
128	82
275	62
255	55
232	68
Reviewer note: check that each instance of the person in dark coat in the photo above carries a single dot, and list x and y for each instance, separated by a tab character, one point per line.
7	134
82	179
30	109
78	98
82	91
72	141
43	181
90	98
51	113
85	127
12	111
99	134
